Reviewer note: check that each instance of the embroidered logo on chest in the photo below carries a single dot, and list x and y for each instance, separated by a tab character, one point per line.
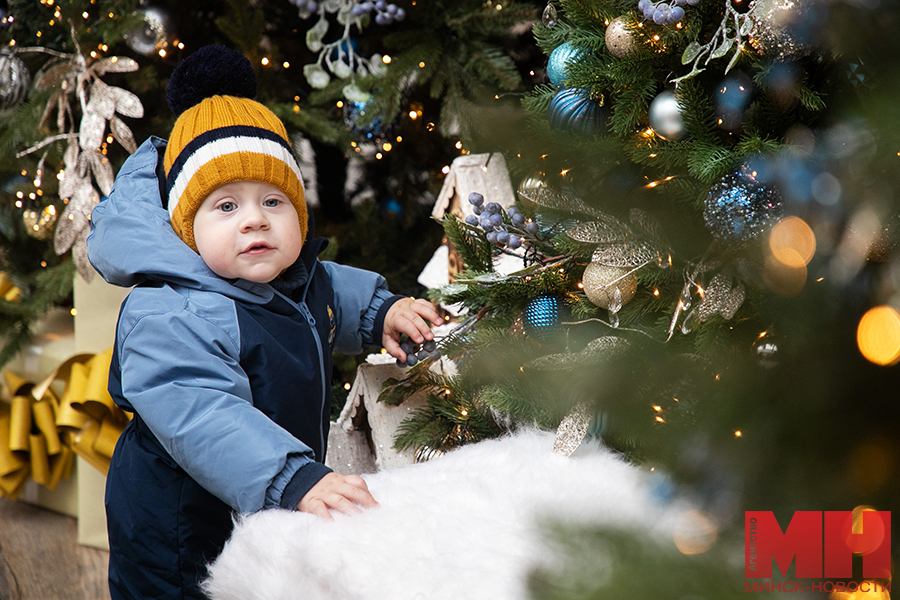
332	324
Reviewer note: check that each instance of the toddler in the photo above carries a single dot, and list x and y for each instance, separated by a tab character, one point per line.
223	348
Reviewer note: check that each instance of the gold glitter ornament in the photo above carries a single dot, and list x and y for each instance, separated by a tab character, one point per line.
619	38
40	223
517	328
600	282
533	182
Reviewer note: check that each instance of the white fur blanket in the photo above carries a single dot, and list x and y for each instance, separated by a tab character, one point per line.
470	524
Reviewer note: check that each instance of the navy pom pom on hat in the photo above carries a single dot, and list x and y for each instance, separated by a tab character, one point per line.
221	136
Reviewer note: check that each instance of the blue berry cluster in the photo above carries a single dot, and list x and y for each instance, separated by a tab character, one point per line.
664	13
418	352
506	232
385	13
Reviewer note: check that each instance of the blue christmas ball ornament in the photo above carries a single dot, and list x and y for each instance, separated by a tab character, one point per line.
739	208
577	109
542	317
562	56
356	119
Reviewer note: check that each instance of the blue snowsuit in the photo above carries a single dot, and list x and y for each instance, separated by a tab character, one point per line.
229	383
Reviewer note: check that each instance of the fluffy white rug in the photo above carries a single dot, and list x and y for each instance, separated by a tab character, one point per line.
470	524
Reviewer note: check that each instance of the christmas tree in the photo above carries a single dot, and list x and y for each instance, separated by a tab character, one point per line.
707	278
84	81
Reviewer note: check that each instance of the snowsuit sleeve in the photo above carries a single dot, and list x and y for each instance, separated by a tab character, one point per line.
362	299
181	374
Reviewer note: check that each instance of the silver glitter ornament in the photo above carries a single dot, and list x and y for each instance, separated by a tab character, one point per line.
619	39
572	431
783	28
739	208
601	281
720	298
15	80
152	35
665	117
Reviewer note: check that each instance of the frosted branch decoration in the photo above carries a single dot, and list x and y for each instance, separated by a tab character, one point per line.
734	29
338	58
71	75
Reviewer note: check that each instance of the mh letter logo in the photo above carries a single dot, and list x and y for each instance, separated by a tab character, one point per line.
823	544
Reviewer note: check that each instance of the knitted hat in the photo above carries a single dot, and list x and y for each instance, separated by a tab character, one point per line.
222	136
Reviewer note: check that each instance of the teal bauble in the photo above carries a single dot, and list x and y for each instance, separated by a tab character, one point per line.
543	316
561	57
577	109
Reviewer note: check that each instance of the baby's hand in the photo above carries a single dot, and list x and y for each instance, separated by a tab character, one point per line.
408	316
337	492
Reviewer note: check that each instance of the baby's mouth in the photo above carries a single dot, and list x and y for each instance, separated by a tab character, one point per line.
257	248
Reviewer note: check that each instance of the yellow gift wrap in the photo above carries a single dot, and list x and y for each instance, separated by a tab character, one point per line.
41	434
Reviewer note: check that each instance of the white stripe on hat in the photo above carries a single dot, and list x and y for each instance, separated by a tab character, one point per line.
222	147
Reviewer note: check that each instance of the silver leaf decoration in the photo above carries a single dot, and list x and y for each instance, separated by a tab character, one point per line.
127	104
70	180
90	134
103	101
75	217
103	171
55	75
114	64
596	351
625	254
80	255
123	134
604	230
552	199
719	297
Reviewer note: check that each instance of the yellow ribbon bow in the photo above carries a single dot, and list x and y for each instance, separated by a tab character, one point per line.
40	434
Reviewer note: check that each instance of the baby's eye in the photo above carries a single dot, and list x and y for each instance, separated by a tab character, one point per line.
227	206
272	202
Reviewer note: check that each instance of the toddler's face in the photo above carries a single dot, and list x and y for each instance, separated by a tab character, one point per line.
248	230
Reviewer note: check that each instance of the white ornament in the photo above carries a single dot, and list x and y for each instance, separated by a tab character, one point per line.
665	117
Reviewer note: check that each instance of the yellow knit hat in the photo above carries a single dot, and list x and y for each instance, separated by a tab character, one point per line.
224	139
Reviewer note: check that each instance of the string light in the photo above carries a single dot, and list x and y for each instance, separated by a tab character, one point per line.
386	59
265	61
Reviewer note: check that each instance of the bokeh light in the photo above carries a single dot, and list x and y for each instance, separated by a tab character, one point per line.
792	242
863	539
695	533
878	335
785	277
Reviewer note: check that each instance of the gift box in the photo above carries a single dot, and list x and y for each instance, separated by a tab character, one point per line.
59	428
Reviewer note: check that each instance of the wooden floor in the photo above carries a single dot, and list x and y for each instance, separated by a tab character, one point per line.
40	558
